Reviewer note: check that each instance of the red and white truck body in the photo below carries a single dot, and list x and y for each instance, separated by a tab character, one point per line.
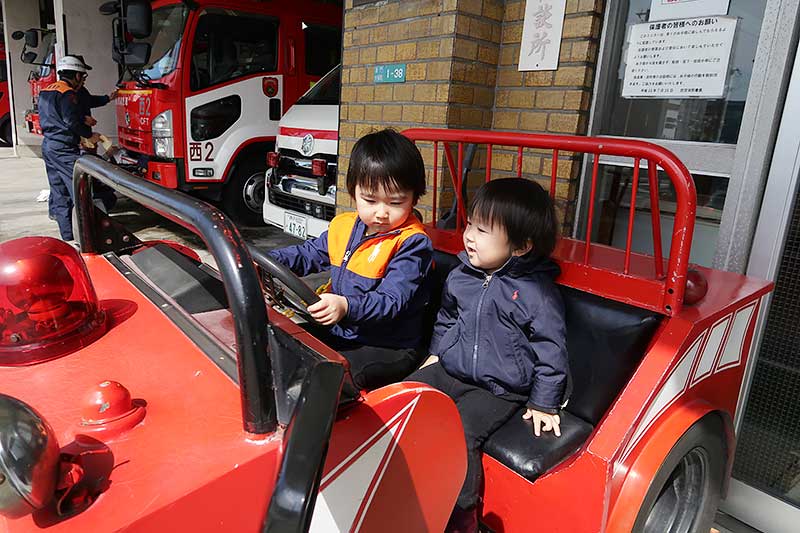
201	116
301	180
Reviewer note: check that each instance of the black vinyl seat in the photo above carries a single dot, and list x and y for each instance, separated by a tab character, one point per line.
605	340
515	446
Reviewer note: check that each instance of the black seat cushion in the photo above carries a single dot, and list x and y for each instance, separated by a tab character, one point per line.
515	445
605	340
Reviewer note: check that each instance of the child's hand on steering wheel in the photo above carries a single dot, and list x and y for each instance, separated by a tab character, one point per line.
329	310
543	422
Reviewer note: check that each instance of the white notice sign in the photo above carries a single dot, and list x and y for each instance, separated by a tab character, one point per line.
679	58
681	9
541	34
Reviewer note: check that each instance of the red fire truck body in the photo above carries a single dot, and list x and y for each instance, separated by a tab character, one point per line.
38	80
208	433
203	114
43	56
5	102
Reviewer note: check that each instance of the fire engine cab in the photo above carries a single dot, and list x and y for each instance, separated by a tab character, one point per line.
143	390
39	50
206	83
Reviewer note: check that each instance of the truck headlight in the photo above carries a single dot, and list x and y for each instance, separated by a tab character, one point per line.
162	135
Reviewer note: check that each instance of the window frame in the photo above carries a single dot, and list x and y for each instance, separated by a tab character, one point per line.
226	81
745	163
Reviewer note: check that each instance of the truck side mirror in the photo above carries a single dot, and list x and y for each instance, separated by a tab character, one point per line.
138	54
109	8
32	38
139	18
29	57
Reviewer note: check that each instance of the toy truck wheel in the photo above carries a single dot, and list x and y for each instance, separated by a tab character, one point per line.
243	196
685	493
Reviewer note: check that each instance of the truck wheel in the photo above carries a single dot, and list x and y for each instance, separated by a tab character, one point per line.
5	133
685	493
243	197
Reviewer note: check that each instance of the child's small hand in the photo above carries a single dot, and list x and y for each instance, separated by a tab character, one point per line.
329	310
543	422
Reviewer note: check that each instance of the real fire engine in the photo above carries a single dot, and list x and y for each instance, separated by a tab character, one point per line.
43	56
205	84
5	108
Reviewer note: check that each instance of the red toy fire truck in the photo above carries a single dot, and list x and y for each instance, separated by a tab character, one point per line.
143	390
206	83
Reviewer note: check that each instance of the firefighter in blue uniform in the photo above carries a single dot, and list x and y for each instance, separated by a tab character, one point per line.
64	118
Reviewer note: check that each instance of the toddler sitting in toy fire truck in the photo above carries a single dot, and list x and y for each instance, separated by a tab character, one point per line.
379	258
499	339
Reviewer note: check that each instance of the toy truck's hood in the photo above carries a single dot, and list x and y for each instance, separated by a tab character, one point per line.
190	440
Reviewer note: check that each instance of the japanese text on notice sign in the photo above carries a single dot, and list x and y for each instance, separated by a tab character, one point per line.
679	58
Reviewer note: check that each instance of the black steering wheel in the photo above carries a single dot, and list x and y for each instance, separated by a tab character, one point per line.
291	291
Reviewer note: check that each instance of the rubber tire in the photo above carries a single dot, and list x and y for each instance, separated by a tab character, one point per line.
708	434
233	202
5	133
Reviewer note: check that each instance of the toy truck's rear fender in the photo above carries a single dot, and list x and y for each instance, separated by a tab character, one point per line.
640	471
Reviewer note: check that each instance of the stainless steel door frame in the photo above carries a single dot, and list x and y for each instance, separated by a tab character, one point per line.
747	162
744	502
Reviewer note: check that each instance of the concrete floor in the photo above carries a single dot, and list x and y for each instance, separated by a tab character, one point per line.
22	179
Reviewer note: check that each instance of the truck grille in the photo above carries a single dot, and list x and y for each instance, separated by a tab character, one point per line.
300	205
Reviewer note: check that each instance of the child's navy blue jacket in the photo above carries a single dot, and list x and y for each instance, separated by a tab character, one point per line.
505	332
383	277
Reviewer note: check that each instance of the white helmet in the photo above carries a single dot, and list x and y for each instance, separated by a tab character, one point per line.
72	63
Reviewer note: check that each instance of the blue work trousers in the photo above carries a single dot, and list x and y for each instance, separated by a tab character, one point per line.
59	160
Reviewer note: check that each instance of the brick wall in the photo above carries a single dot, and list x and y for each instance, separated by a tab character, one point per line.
420	33
461	58
549	101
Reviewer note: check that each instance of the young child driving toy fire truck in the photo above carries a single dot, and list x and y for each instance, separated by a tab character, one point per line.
499	339
379	258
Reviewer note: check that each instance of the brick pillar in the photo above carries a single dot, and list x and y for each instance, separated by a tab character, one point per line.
450	47
461	58
420	33
549	101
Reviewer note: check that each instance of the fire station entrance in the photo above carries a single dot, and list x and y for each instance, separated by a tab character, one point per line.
739	141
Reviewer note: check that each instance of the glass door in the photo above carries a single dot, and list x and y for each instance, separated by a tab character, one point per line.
702	132
765	489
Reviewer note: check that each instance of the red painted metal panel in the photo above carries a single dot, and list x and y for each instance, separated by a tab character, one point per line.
674	283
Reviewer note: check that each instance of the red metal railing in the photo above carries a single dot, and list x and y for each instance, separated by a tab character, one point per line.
610	272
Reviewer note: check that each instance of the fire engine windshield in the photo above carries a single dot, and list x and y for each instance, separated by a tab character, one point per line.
168	25
325	91
49	54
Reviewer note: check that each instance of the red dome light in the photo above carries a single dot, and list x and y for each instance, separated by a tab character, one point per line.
48	307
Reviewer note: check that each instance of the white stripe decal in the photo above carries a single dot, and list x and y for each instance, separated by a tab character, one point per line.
732	355
711	350
356	479
674	386
725	337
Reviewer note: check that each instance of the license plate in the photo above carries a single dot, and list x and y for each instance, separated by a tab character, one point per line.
295	225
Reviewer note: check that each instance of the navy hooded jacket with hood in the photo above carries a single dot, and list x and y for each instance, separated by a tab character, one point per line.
505	332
